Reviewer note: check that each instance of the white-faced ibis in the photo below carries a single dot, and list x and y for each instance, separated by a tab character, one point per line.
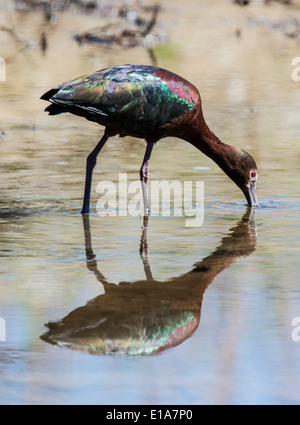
150	103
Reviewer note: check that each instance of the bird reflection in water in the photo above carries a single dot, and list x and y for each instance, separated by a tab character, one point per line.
148	316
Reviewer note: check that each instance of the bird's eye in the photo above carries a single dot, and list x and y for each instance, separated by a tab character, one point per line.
253	173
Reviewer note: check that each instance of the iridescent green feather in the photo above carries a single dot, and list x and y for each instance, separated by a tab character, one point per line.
132	99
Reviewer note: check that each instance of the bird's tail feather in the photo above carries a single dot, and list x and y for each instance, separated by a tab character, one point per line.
49	94
55	109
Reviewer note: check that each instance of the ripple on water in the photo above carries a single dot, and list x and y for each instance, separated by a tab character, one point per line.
40	206
280	203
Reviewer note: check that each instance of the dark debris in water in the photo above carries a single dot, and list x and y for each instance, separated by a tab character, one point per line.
130	24
129	32
133	28
248	2
289	27
122	24
52	8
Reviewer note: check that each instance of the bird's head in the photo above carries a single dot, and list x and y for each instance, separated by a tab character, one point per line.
250	189
244	174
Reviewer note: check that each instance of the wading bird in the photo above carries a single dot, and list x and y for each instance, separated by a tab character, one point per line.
151	103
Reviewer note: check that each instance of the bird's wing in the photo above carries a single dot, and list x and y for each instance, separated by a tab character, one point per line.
132	101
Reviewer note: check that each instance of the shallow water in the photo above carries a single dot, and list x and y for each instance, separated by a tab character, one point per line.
205	316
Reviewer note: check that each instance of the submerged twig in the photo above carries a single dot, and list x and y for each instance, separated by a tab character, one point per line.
115	33
27	44
132	26
135	32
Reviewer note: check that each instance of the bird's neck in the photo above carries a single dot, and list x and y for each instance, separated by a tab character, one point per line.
200	136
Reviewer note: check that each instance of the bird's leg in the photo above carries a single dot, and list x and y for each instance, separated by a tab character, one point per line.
144	175
91	262
144	253
90	164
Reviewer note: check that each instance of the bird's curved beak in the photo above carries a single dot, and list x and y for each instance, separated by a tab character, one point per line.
250	194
